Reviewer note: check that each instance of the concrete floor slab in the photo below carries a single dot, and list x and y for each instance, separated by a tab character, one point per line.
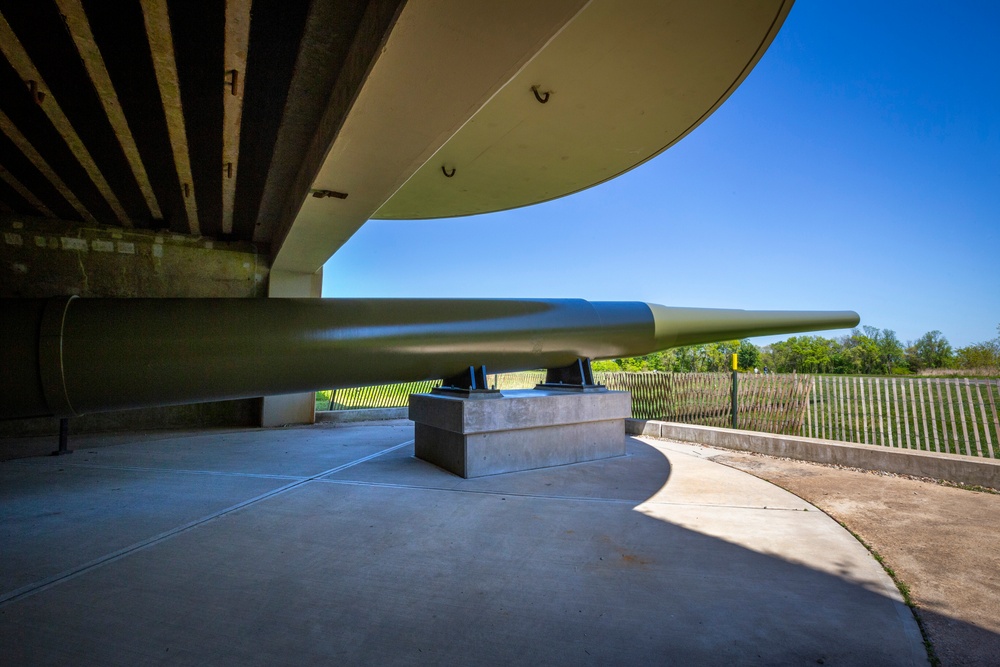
293	451
643	474
638	560
57	517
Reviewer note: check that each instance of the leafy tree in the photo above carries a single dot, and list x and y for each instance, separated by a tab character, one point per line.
685	359
605	366
890	351
862	350
980	355
668	358
800	354
748	355
841	360
872	350
866	350
658	361
634	364
718	356
931	350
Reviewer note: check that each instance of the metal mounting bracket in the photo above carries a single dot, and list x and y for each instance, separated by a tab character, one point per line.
467	384
577	377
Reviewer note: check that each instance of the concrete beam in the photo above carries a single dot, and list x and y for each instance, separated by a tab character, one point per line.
309	122
19	59
237	40
79	29
161	46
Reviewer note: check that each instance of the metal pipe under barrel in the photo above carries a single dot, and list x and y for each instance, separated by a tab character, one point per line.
70	356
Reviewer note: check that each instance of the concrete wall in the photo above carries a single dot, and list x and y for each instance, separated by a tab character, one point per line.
44	258
363	415
950	467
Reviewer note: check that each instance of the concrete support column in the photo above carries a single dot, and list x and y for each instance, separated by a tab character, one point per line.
291	408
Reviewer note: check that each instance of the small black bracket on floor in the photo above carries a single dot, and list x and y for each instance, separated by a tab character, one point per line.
578	377
63	438
468	384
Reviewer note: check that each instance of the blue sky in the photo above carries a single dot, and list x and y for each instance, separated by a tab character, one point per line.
857	167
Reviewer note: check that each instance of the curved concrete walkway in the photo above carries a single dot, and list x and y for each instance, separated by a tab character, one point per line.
331	545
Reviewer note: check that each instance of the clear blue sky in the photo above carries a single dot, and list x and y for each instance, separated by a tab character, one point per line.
857	167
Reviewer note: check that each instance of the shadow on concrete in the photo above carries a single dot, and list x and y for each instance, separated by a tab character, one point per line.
651	558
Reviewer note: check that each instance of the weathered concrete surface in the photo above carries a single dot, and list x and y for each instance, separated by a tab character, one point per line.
364	415
941	541
519	430
324	545
41	258
518	408
950	467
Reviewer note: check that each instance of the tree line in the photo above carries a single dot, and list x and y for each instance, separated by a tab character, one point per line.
866	351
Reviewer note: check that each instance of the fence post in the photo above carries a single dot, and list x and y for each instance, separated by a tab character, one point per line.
735	400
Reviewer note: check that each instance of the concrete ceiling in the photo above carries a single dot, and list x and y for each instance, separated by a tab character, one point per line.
290	124
177	115
618	85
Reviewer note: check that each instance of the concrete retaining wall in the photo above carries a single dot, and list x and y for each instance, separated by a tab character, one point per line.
366	415
949	467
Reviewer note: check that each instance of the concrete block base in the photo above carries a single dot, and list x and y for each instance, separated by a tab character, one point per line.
522	430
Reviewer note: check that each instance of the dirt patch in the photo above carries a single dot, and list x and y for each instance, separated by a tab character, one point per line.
942	542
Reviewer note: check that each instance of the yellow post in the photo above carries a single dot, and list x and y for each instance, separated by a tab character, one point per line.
734	407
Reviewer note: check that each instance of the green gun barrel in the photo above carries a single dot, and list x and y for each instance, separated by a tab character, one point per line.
70	356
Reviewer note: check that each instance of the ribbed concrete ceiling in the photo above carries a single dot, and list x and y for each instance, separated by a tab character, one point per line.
221	118
184	115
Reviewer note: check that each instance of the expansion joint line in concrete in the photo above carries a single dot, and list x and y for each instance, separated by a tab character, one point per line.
543	496
72	573
183	471
505	494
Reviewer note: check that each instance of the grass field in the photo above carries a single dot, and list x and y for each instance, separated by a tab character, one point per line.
397	395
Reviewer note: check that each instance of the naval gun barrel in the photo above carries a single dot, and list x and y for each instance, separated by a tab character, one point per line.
70	356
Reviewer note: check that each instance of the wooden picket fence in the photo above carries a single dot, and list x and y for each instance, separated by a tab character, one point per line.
377	396
771	403
950	415
957	416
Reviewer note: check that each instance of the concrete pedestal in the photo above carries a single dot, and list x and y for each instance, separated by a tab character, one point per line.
522	430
